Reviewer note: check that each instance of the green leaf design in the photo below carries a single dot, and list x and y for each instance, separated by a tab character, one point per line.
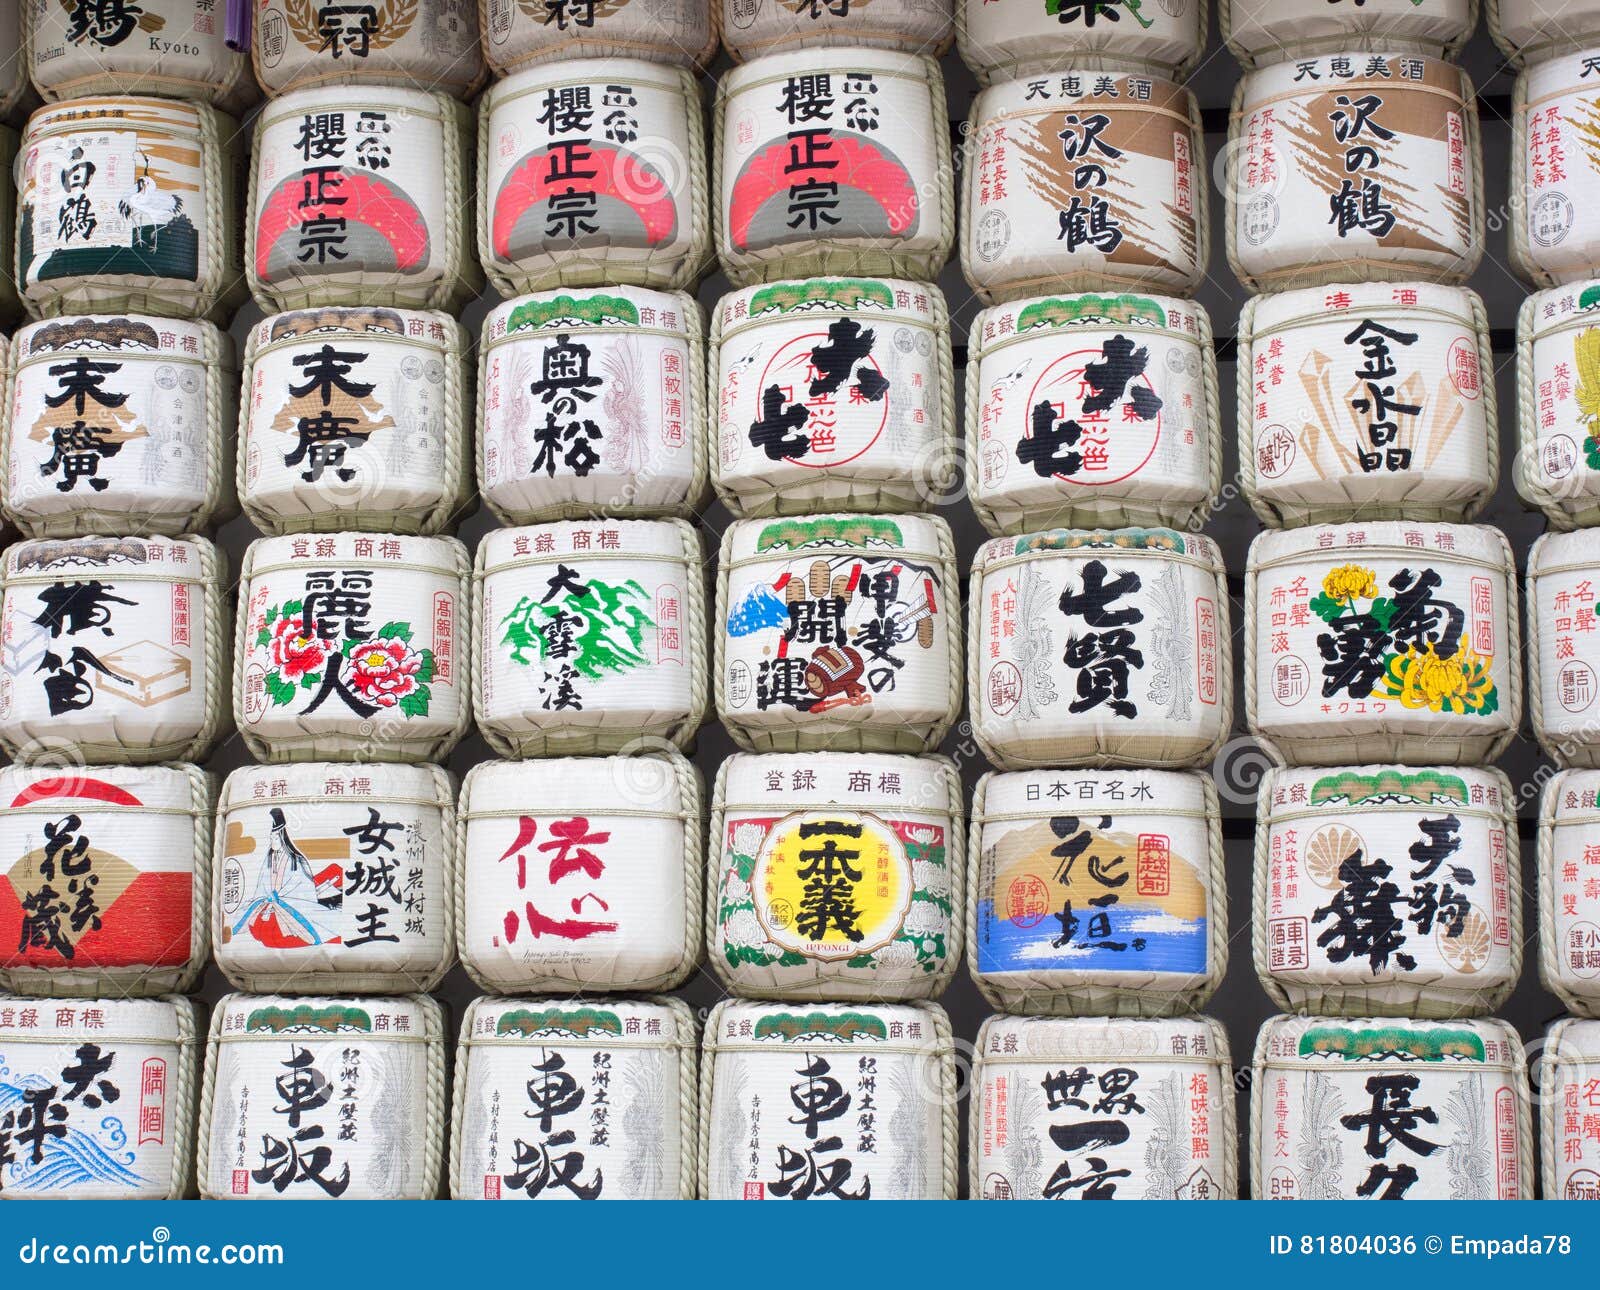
425	667
1491	702
397	631
264	636
416	703
292	608
272	614
1326	607
1591	452
1382	611
310	680
281	692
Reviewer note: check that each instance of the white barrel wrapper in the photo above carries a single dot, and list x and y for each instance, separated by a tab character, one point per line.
590	637
1555	230
1096	1108
174	48
751	28
1005	39
827	1101
107	876
836	876
1386	185
1387	890
335	877
839	632
427	44
1368	400
1564	647
1082	180
1524	28
1557	466
1258	31
592	172
18	93
592	402
113	649
319	1098
1385	641
361	195
1569	893
520	33
833	161
100	1097
832	393
119	424
581	873
1389	1109
1092	410
354	646
575	1099
1104	647
1096	891
128	204
1567	1071
355	418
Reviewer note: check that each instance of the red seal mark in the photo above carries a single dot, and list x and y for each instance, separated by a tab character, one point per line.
1465	373
1005	688
1275	451
1027	901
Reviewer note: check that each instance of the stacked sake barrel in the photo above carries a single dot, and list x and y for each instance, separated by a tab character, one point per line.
1382	635
1555	246
116	454
333	900
835	855
1099	662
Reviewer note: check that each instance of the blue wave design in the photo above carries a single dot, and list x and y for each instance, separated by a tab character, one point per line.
79	1159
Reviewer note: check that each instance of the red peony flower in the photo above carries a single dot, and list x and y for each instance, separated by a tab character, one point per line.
293	652
384	671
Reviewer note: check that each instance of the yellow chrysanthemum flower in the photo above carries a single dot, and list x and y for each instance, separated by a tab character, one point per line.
1350	582
1419	678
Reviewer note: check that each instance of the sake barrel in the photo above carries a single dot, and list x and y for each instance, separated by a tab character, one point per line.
520	33
109	873
174	48
1054	923
1084	180
836	876
1387	890
1569	897
1368	400
365	1113
1524	28
592	402
838	632
128	204
355	417
1568	1069
1563	693
1557	467
590	637
335	877
585	875
1553	178
1096	1108
119	424
606	1086
833	161
1389	1110
352	646
1102	648
875	1088
1004	39
592	172
1388	640
751	28
1290	29
832	393
102	1098
1092	410
425	44
1354	167
17	94
115	649
359	195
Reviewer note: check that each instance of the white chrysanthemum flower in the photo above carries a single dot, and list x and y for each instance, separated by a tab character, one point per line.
743	930
747	839
931	878
735	890
924	918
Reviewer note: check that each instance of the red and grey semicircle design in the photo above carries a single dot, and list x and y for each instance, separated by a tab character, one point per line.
634	207
877	194
384	231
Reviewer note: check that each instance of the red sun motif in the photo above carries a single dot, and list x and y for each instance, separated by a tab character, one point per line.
619	175
861	166
353	196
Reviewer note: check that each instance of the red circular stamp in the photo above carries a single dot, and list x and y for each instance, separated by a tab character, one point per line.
1027	901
